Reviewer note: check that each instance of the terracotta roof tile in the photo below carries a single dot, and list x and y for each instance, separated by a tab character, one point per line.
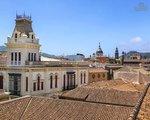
145	108
13	110
105	96
37	108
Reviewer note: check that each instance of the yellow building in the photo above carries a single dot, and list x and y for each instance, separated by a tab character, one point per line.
98	74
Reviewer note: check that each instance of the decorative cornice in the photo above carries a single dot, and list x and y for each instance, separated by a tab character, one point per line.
27	46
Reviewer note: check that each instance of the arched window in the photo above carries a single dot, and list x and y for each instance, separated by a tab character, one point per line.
29	58
12	56
1	81
84	77
42	84
34	57
34	86
19	55
81	77
64	82
26	83
51	81
38	83
32	36
15	56
56	80
15	35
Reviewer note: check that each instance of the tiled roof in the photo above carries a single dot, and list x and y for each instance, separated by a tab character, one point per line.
117	84
126	69
143	79
134	77
13	110
36	108
115	92
145	107
104	96
98	101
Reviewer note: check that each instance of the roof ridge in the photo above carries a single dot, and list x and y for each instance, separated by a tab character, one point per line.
11	100
25	108
137	107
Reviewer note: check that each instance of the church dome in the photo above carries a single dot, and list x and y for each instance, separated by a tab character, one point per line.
99	52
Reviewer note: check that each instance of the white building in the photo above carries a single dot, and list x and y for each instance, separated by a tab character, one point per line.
24	73
77	57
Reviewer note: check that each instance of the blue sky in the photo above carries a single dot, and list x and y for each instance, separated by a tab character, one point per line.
76	26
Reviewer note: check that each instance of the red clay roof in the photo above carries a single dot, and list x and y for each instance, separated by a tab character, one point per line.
36	108
104	96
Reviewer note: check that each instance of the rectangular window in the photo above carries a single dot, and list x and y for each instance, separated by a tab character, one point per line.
64	82
15	56
12	56
41	85
34	56
84	77
67	81
28	56
26	83
19	56
74	80
38	84
34	86
81	78
51	81
56	81
31	56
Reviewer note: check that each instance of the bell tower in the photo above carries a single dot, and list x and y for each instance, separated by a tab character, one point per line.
116	53
99	52
22	46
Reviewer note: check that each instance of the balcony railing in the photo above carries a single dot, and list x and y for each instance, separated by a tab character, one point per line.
58	63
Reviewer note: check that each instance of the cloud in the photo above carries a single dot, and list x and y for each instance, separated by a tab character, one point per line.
136	40
135	43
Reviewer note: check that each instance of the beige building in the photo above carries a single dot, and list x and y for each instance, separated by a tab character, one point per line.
24	73
96	75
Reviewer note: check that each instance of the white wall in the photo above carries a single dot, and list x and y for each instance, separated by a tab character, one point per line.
45	77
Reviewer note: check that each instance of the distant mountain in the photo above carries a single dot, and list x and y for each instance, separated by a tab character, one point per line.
3	48
47	55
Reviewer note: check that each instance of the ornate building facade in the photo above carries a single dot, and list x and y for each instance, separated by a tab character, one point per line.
23	73
99	57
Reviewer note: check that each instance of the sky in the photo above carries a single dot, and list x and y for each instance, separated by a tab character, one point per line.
77	26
